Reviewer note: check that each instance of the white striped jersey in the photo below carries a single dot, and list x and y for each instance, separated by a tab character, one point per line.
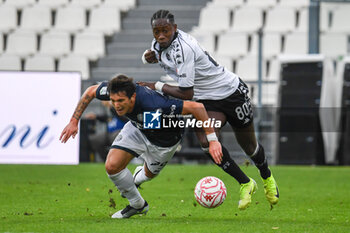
190	66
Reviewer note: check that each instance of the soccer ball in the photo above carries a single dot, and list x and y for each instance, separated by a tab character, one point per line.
210	192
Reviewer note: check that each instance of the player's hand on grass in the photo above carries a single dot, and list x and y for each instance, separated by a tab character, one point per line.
147	84
150	56
215	151
70	130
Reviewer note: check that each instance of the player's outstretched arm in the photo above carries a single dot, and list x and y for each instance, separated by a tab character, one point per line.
199	112
72	128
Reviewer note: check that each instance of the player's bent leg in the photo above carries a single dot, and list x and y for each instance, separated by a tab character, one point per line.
245	194
142	174
246	138
116	163
139	176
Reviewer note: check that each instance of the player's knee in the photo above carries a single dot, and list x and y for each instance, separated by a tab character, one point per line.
112	168
250	148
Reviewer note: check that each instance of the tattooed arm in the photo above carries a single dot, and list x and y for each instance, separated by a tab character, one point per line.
72	128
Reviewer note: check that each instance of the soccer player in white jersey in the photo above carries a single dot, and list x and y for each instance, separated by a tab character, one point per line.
223	93
155	146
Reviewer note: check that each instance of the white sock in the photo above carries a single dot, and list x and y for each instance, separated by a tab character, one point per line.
125	184
141	177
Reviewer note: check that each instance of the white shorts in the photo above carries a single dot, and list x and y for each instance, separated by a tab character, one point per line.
132	140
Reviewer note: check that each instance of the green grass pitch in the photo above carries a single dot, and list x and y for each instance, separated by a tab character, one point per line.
40	198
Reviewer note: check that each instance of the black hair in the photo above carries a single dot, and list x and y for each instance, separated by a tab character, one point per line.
163	14
121	83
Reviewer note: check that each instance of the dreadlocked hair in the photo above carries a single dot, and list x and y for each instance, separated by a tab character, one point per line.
163	14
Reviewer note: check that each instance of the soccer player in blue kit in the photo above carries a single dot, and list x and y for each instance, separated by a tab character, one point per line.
223	93
155	146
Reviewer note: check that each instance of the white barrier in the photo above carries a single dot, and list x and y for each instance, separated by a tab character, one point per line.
35	107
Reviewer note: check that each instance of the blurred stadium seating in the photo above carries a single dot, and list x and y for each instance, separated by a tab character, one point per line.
120	30
60	35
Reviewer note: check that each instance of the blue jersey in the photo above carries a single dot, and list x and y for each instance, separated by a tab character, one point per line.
149	101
